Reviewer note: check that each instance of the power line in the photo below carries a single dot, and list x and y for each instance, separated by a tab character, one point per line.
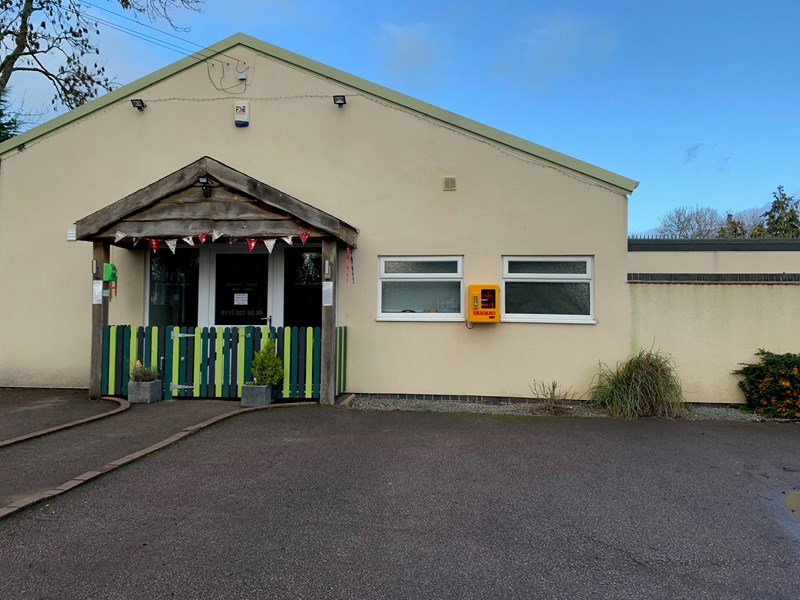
150	39
167	45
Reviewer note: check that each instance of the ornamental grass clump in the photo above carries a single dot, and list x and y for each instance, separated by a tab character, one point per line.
772	385
645	385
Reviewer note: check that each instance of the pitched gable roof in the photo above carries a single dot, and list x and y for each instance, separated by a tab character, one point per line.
618	182
237	205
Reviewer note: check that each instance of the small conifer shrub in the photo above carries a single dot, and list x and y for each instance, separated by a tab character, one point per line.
267	367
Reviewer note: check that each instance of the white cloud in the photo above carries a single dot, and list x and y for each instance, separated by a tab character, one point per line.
408	51
560	43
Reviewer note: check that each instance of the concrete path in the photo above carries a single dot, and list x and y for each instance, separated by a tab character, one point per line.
24	411
331	503
47	462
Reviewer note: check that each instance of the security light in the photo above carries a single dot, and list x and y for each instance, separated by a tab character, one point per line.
339	101
205	185
138	104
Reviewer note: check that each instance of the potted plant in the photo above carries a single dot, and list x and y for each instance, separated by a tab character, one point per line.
267	370
145	386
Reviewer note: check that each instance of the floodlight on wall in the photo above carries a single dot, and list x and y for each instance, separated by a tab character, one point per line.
340	100
204	185
138	104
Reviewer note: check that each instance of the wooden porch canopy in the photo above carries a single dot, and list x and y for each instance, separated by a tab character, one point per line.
208	196
234	204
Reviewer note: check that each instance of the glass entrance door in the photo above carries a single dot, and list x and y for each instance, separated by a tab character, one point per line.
241	293
225	285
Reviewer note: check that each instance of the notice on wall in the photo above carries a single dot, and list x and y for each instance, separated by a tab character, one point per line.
327	293
97	292
240	299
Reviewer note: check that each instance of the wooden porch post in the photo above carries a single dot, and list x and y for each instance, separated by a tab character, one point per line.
327	383
101	254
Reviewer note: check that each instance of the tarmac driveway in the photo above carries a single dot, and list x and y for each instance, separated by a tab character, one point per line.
331	503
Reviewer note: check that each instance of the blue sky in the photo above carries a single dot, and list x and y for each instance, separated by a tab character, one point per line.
696	100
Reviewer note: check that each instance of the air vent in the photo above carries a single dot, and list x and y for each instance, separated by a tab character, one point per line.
71	237
449	184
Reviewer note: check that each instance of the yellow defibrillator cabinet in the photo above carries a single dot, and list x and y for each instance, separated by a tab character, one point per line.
483	303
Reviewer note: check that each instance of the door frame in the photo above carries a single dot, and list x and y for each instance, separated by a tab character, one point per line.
207	280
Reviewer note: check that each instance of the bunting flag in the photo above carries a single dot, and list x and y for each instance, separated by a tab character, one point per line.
189	240
215	235
304	237
135	241
350	265
270	244
288	240
202	237
153	244
171	244
119	236
251	243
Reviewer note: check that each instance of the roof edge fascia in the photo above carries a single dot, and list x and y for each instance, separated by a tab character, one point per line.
619	182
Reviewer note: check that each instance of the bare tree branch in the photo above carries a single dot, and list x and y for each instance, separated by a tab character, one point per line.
685	222
31	31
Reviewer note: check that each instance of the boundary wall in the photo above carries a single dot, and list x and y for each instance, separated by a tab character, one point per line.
712	304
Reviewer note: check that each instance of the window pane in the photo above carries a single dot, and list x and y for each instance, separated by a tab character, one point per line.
302	288
568	267
421	297
535	298
173	288
421	266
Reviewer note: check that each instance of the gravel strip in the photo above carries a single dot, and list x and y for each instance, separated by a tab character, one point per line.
571	409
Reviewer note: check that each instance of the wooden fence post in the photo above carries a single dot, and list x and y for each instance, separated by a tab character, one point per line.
327	380
100	255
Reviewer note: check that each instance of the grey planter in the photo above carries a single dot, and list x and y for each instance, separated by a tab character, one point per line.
145	392
256	395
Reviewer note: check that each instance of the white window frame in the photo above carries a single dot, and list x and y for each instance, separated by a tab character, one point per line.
549	278
421	277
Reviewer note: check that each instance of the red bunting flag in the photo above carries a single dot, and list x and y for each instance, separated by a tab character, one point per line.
202	237
153	244
251	243
304	237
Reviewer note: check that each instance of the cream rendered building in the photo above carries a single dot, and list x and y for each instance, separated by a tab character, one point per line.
424	201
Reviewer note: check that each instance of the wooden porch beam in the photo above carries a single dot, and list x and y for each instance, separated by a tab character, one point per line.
181	228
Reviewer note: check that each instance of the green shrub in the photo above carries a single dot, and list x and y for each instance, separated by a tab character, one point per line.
141	373
772	385
267	367
645	385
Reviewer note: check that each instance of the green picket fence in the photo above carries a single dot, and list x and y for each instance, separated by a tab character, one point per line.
214	362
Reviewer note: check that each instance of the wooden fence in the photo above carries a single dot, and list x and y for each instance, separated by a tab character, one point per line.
214	362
